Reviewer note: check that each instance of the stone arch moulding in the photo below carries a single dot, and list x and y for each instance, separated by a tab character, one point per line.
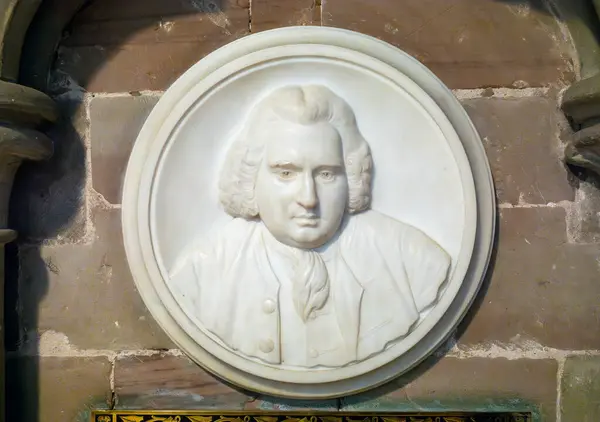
258	179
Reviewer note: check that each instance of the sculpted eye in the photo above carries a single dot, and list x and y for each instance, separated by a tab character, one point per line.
326	175
285	174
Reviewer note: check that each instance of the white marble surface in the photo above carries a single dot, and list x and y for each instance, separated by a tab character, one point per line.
304	214
306	275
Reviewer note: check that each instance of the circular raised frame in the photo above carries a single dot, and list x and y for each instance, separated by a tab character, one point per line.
181	115
137	191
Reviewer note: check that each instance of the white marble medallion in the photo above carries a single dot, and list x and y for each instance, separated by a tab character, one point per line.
308	212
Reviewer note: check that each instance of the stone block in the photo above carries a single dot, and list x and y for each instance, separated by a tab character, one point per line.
521	138
86	292
137	9
171	382
580	389
468	44
474	384
49	389
542	289
268	14
48	197
115	124
117	47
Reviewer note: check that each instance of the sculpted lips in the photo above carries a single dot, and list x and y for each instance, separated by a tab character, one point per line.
307	220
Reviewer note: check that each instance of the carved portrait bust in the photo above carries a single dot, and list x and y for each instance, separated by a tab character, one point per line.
308	212
306	274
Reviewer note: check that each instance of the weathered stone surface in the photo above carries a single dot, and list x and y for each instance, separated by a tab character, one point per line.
263	402
49	389
171	382
142	45
115	124
476	384
39	47
468	44
580	389
521	139
583	222
86	292
268	14
542	288
137	9
48	200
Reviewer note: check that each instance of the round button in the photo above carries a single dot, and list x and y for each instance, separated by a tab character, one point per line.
313	353
266	346
269	306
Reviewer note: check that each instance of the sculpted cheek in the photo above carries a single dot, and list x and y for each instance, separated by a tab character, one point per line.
341	192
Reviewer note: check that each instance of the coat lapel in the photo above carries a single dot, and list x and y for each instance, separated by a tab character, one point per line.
261	259
269	285
347	296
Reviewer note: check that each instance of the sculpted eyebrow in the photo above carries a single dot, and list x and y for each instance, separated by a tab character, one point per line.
331	167
285	165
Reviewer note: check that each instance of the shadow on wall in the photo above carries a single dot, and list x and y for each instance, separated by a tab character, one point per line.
48	202
98	29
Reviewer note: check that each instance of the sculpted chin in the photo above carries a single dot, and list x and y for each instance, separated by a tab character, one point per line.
305	274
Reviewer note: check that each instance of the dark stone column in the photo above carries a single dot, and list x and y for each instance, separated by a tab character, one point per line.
23	111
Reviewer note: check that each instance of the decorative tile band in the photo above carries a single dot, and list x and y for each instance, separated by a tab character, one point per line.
198	416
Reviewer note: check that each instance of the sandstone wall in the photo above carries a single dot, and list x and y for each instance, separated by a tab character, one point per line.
80	336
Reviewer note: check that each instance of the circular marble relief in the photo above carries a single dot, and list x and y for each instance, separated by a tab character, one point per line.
308	212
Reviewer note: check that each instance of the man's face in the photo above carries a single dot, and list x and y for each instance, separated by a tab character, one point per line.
301	187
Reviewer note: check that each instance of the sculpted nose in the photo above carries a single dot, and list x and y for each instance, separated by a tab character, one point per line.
307	196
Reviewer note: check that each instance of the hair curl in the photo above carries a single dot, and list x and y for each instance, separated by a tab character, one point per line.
305	105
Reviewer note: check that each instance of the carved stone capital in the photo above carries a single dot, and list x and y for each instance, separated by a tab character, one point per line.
581	101
583	149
